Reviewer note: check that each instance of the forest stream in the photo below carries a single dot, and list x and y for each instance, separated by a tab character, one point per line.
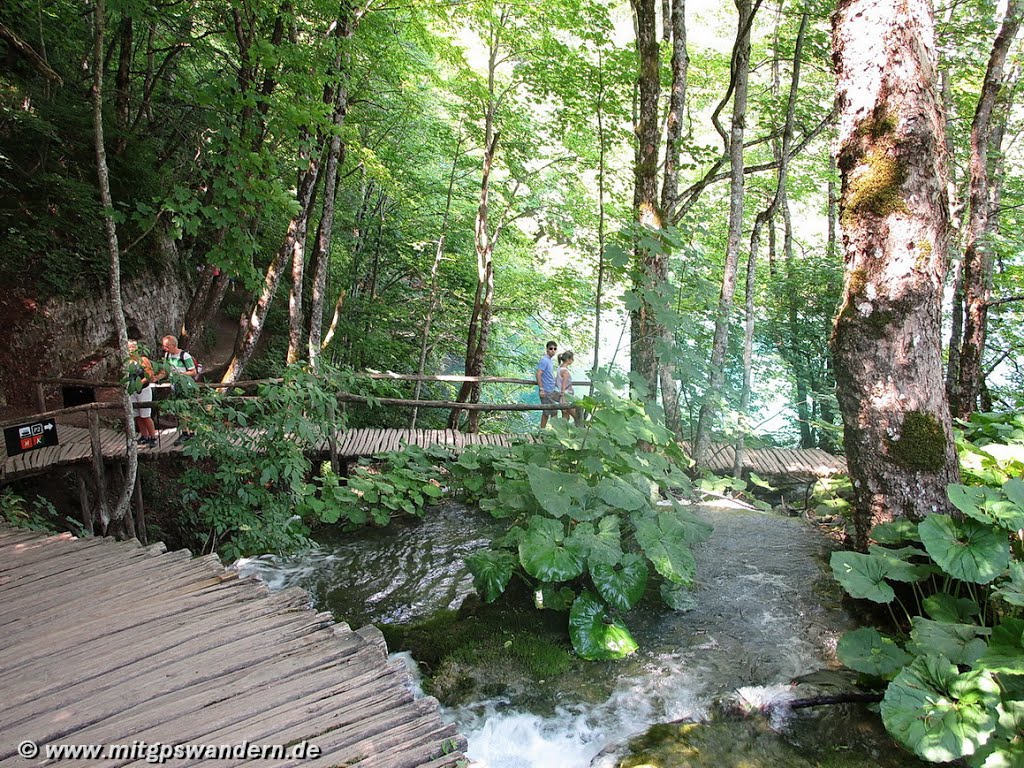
767	616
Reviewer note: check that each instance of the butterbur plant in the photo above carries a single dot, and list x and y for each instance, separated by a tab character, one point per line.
400	483
954	678
590	520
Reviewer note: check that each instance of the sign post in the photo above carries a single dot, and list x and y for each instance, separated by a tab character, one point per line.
28	437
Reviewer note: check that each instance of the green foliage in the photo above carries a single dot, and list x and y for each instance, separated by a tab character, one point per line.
956	689
250	464
402	482
39	514
585	524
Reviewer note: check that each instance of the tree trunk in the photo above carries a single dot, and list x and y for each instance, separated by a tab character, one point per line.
480	321
325	229
723	318
650	267
116	304
251	323
894	211
434	268
977	261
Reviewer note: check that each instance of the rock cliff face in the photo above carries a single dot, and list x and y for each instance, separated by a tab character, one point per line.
57	338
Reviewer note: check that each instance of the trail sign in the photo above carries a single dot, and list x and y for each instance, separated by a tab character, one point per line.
28	437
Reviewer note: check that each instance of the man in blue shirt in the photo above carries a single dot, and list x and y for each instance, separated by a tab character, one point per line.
546	382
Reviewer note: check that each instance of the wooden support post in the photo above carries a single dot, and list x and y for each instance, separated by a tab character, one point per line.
97	469
83	500
40	397
140	510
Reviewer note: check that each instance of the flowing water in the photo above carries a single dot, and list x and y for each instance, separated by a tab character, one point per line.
761	620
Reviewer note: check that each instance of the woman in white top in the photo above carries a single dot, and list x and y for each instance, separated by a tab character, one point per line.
565	390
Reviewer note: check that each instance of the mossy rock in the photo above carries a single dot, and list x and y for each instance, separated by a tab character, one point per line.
487	651
844	738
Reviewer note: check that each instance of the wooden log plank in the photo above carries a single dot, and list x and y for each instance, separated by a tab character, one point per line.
152	661
321	712
276	720
171	702
108	698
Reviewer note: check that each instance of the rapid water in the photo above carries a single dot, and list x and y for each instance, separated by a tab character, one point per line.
760	622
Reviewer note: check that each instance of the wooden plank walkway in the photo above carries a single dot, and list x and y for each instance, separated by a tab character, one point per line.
74	449
115	643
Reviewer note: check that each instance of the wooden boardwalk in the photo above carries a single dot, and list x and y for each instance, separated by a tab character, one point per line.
114	643
74	448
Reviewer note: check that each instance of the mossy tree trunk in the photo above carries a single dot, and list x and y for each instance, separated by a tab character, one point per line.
895	219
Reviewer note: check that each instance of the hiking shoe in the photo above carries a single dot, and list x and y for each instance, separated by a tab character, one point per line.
149	442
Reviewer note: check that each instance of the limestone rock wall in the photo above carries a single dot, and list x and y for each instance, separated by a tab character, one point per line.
57	338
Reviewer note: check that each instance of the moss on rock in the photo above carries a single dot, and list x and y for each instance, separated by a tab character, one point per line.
485	651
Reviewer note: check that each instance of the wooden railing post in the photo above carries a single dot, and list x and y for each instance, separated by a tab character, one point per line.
140	510
97	467
83	500
40	396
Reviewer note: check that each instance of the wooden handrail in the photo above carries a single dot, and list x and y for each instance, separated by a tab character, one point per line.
376	376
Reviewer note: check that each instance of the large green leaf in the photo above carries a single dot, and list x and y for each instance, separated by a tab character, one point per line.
862	576
1012	591
960	643
678	597
938	713
1005	653
491	571
546	555
897	565
663	541
867	650
990	505
558	493
965	549
621	584
618	494
595	634
694	529
952	610
895	532
553	598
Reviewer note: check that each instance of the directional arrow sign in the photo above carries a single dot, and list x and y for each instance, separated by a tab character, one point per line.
28	437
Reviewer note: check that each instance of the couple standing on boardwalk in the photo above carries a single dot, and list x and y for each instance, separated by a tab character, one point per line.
556	387
142	380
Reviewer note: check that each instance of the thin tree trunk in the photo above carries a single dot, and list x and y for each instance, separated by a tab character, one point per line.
767	216
325	229
894	209
480	320
740	74
251	323
977	269
601	181
434	268
123	504
479	331
650	267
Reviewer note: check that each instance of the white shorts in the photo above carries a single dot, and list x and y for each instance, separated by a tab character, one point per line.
145	395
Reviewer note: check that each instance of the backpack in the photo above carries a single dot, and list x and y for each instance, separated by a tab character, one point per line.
199	366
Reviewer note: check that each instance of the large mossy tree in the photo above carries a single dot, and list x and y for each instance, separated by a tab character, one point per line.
895	217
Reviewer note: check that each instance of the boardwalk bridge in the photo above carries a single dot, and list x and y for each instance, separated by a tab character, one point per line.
116	643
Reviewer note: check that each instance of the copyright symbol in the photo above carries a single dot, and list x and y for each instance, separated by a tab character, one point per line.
28	749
